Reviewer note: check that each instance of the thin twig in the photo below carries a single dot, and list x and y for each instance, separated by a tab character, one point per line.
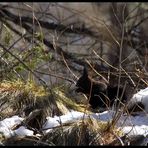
57	76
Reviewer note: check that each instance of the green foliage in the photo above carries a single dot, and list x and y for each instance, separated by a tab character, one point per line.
38	56
39	36
35	56
31	57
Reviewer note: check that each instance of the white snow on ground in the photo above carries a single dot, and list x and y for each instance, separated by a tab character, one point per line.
23	131
7	125
10	122
57	120
133	125
141	96
138	123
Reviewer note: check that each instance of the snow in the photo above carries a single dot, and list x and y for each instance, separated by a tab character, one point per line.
141	96
136	130
7	124
10	122
104	116
23	131
133	125
57	120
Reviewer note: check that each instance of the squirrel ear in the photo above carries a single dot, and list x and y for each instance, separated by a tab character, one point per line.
85	72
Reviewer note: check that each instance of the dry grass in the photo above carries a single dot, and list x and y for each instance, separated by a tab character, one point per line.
83	132
18	96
